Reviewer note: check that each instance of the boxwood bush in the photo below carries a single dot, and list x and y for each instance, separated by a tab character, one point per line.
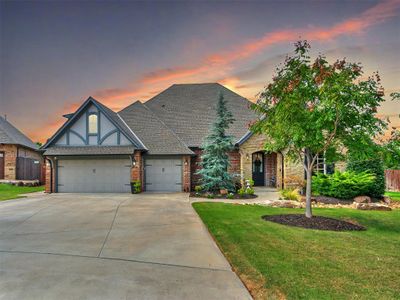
374	166
346	185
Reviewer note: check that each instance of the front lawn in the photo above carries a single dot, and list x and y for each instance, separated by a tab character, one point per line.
395	196
277	261
8	191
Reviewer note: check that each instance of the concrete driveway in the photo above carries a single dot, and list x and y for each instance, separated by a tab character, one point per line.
110	246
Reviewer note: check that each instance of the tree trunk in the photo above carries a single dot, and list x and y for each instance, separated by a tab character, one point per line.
308	193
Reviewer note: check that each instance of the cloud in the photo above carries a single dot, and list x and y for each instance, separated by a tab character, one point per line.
211	65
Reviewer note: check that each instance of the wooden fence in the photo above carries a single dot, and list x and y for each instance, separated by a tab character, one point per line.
28	169
392	180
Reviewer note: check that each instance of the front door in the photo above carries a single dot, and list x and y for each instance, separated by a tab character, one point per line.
258	168
1	165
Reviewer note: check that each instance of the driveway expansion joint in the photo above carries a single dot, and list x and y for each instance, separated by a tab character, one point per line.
116	259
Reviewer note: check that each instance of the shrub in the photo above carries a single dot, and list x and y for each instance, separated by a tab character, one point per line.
375	167
210	196
250	191
241	192
230	196
137	186
344	185
290	194
294	181
198	189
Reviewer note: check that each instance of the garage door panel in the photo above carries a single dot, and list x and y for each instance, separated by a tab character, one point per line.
163	175
94	175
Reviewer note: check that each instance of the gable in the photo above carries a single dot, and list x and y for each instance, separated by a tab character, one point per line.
78	133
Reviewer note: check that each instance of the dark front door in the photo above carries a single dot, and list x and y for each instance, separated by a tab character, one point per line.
258	168
1	165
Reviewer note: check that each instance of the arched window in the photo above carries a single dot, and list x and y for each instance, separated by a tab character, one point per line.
92	124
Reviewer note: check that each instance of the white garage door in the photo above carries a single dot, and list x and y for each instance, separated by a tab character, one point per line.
94	176
163	175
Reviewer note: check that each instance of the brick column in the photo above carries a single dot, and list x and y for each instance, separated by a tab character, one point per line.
49	186
137	170
186	173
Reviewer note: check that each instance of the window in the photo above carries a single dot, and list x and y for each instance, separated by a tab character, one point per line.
258	163
321	166
92	124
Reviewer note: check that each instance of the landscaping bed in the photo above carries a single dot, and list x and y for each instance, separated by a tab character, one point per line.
316	222
220	196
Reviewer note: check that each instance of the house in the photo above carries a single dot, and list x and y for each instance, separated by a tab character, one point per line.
157	142
19	156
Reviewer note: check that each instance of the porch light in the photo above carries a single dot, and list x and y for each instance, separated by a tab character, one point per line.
247	156
186	162
133	162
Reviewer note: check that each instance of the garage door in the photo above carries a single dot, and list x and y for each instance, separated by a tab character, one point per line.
163	175
94	176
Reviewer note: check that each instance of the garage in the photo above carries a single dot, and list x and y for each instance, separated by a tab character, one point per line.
163	174
93	175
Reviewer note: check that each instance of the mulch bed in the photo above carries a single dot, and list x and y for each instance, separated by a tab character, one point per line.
219	196
332	200
316	222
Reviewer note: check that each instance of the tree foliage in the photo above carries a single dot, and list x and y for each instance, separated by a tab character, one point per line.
314	107
215	158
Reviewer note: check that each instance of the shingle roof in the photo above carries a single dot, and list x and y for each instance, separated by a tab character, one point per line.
11	135
157	137
189	110
89	150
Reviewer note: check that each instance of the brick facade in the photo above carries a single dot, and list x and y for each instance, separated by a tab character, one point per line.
234	168
11	152
49	186
137	170
186	180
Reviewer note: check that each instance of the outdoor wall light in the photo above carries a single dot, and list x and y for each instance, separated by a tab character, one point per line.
247	156
186	162
133	162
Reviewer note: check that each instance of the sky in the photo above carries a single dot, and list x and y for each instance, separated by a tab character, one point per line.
55	54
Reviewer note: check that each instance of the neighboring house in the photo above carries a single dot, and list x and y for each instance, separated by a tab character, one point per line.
19	156
157	142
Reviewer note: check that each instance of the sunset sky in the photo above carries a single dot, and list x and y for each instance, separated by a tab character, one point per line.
54	55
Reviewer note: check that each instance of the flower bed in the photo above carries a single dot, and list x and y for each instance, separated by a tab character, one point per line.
220	196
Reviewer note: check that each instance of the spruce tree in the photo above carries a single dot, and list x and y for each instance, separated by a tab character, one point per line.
215	159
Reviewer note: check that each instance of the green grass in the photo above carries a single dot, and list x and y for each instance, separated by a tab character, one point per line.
8	191
277	261
395	196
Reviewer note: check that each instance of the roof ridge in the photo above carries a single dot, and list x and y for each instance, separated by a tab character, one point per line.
165	125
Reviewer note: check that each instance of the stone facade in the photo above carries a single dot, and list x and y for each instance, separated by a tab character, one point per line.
11	152
272	161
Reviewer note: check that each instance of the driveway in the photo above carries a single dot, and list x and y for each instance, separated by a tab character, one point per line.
110	246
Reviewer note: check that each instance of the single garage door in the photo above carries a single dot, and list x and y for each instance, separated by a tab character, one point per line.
163	175
94	176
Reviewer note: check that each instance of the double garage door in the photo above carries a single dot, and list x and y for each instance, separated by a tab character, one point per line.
113	175
94	176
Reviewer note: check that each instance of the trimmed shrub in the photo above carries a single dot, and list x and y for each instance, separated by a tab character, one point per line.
346	185
375	167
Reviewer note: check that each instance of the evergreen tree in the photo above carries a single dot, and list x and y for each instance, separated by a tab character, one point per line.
215	159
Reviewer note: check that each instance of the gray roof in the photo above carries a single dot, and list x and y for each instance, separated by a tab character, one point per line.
155	135
89	150
189	110
11	135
